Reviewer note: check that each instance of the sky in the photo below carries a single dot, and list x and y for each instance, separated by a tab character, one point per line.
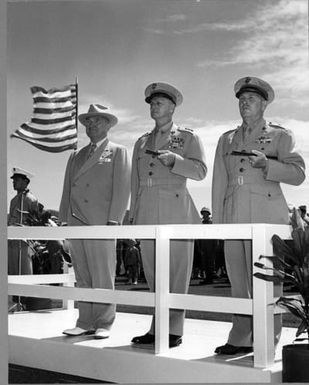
116	48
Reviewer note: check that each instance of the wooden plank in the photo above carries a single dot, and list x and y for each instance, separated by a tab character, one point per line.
162	279
263	304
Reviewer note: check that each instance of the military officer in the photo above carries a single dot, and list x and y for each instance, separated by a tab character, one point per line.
163	159
95	192
250	163
24	207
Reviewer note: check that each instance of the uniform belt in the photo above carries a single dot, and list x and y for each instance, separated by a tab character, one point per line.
150	182
243	179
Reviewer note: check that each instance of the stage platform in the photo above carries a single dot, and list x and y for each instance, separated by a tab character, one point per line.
36	340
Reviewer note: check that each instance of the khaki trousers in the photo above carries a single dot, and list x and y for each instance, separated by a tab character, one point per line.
181	260
238	258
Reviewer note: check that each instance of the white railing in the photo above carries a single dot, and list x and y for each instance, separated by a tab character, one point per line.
261	306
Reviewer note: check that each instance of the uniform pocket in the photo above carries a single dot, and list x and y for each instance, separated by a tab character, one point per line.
268	204
174	206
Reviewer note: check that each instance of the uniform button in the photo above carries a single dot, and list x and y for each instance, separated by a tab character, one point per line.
153	156
151	164
241	169
262	148
242	160
150	173
177	195
269	194
86	200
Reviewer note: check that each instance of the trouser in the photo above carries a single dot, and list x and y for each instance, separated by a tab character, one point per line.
94	263
19	262
181	260
238	257
19	251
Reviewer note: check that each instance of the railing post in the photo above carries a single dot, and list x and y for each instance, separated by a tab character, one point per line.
263	299
162	263
67	304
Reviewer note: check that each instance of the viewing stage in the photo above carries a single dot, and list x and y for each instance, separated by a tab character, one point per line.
36	340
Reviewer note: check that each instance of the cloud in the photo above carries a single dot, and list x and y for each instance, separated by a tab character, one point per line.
155	31
274	42
169	20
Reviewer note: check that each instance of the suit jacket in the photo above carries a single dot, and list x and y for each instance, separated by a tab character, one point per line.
96	190
159	194
243	194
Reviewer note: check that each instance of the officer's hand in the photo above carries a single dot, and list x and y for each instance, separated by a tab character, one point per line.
167	158
258	161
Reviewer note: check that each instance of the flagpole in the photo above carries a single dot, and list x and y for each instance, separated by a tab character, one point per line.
76	116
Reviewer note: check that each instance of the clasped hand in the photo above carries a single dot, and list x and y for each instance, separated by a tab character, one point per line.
258	161
167	158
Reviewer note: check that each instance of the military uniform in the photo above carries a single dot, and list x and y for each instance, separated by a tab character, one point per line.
243	194
95	191
22	206
159	196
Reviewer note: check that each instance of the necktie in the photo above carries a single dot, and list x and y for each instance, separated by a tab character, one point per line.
93	147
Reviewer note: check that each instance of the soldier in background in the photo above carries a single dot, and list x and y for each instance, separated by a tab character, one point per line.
250	163
162	161
24	210
207	250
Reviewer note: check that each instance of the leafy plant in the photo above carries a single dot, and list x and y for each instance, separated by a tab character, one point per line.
291	265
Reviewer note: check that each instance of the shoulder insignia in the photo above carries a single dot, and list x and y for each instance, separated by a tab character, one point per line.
144	135
230	132
276	126
188	130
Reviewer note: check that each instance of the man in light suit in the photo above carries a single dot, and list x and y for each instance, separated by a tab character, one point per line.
95	192
250	163
162	161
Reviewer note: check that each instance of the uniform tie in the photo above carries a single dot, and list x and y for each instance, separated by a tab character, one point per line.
93	147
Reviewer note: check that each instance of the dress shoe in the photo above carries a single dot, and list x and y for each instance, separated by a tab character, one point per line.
150	339
174	340
77	332
145	339
100	334
231	349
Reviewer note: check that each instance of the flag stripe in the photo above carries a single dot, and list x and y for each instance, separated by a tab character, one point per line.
31	129
49	111
51	140
44	99
53	123
57	126
62	148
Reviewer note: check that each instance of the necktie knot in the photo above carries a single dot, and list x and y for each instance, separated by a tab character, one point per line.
93	147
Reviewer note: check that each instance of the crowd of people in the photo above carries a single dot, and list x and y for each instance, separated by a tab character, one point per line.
250	163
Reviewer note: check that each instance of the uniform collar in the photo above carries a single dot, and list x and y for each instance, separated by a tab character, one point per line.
98	144
164	129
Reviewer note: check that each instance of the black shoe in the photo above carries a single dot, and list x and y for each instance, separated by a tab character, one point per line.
150	339
206	281
231	349
174	340
145	339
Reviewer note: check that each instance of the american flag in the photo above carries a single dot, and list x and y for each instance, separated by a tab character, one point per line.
53	125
